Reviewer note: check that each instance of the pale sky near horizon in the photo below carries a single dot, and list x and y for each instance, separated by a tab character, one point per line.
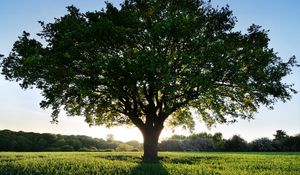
19	109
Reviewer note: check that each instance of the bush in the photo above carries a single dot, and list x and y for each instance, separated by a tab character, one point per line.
124	147
136	145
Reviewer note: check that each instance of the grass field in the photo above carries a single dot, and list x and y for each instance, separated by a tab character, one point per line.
116	163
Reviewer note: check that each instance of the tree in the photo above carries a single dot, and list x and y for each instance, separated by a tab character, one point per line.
235	143
28	141
170	145
279	138
149	61
262	144
198	144
109	137
218	141
202	135
292	143
280	135
66	148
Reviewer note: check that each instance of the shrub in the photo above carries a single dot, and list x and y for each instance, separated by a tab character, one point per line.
124	147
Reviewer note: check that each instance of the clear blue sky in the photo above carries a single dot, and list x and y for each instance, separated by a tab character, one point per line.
19	109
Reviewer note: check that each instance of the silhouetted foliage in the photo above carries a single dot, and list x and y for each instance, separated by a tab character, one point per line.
283	142
149	61
28	141
292	143
262	144
235	143
66	148
170	145
280	135
216	142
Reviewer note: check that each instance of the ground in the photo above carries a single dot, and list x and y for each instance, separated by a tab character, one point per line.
130	163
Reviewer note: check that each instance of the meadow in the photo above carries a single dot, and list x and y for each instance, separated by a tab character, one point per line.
119	163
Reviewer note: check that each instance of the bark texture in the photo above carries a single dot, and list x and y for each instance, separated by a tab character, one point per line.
151	136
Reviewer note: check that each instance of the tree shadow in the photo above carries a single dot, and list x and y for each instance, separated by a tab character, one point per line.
145	168
129	158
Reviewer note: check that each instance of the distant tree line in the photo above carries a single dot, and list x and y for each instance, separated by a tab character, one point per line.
216	142
29	141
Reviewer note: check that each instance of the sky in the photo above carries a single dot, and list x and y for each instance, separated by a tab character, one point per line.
20	111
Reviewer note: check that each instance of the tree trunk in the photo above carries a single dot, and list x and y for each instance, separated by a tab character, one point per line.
151	136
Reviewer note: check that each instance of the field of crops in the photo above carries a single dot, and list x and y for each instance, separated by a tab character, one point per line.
130	163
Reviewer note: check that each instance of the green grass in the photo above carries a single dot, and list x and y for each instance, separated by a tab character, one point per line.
130	163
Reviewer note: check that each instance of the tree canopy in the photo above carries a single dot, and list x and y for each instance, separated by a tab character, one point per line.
148	61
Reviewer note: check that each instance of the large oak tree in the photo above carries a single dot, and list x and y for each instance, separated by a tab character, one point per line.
149	61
